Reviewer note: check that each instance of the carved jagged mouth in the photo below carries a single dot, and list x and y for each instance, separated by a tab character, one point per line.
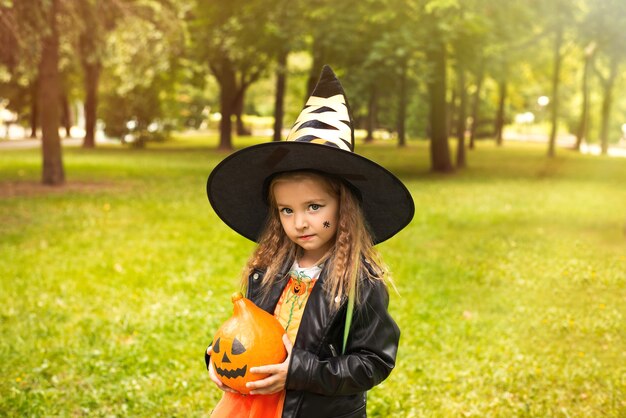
231	374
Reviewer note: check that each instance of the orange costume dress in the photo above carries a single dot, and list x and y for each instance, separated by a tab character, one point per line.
289	311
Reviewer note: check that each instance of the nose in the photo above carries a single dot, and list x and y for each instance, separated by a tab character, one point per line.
300	221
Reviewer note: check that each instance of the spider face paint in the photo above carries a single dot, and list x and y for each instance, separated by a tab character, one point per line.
326	224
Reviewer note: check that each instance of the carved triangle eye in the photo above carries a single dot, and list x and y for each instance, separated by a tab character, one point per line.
238	347
216	346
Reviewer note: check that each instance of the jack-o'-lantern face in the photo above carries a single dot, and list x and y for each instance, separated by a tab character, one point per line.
229	355
298	288
250	338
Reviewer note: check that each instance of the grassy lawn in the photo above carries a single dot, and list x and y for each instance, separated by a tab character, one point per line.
511	284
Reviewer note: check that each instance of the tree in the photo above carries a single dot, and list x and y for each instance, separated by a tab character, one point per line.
556	77
279	98
439	148
232	39
608	82
467	48
508	45
500	116
556	17
17	90
49	93
97	19
467	41
436	38
286	37
581	131
36	38
340	34
144	64
19	60
605	23
402	101
399	56
461	125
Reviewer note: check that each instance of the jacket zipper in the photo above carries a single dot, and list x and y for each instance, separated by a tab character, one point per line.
332	350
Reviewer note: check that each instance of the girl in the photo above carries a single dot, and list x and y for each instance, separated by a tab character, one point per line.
316	209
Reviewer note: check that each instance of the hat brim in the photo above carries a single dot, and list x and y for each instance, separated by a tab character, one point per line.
236	185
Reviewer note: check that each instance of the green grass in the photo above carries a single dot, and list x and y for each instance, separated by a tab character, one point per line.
511	279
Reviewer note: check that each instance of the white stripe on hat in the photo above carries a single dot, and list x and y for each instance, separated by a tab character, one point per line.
339	119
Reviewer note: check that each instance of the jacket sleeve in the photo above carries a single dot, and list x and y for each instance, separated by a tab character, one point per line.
370	353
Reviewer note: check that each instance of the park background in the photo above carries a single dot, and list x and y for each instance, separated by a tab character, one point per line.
506	121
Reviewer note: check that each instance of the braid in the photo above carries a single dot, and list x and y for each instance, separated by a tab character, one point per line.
343	258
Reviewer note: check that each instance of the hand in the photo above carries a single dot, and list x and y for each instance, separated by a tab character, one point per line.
275	382
214	377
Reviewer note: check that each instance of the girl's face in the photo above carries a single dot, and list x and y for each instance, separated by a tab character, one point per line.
309	214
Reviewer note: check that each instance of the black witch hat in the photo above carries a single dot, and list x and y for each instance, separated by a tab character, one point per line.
321	140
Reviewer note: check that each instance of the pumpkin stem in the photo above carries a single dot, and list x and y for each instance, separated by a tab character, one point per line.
236	296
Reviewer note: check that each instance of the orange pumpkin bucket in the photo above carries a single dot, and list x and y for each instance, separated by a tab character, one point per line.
250	338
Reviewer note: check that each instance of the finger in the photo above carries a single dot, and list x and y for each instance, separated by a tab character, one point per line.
209	350
267	391
269	369
221	385
262	383
213	375
226	388
215	379
263	386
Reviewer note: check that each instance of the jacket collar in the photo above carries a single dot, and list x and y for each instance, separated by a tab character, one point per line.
318	315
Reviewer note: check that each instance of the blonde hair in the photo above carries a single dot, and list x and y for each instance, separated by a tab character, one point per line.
352	255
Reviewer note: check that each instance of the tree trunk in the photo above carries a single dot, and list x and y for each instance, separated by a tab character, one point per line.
461	121
279	102
558	40
372	111
66	115
581	132
402	100
226	125
49	96
240	100
92	77
316	68
228	96
451	114
34	108
499	128
607	101
439	148
476	103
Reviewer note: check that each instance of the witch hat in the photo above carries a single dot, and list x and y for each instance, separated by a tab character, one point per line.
321	140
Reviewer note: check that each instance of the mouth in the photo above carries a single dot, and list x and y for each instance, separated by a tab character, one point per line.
305	237
231	374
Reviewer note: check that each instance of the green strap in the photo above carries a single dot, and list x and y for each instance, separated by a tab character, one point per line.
346	329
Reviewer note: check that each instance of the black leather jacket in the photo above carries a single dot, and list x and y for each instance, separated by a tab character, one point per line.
321	382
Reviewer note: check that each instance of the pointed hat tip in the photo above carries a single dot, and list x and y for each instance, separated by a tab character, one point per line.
327	69
328	84
327	73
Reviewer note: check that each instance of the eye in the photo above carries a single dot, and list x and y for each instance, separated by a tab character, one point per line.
315	207
286	211
216	346
238	347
